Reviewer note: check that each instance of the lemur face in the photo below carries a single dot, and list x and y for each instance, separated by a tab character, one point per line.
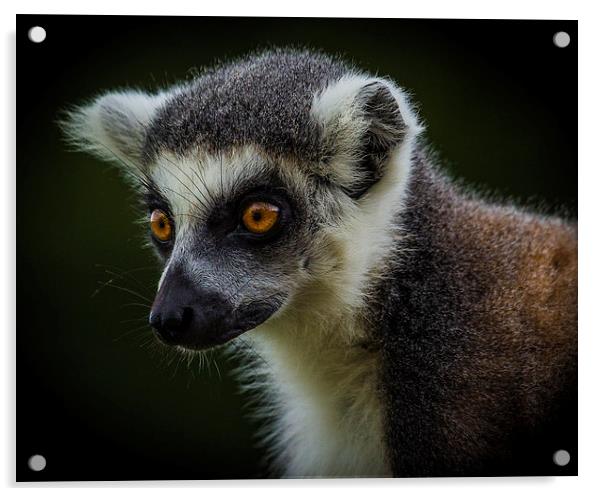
234	231
264	181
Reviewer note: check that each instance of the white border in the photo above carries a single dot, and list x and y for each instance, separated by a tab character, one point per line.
590	177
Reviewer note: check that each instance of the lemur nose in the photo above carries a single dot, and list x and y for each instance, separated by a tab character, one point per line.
171	322
188	315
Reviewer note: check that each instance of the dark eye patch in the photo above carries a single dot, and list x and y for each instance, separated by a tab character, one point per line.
225	221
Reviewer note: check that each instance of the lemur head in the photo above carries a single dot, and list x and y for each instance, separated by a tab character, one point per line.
270	186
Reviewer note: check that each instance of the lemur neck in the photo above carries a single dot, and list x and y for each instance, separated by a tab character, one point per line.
323	396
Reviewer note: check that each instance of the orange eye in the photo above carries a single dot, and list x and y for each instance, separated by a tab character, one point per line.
260	217
160	225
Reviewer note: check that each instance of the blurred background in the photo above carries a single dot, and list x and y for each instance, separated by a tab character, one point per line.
96	397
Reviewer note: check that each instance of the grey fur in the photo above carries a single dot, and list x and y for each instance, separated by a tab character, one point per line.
263	100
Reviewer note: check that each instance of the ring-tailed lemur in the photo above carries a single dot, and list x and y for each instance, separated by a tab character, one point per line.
407	327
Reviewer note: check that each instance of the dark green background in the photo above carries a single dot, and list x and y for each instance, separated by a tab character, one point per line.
101	402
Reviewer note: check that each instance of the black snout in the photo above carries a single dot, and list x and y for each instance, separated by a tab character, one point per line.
183	314
171	322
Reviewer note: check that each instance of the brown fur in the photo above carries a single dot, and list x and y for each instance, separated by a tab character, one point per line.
480	355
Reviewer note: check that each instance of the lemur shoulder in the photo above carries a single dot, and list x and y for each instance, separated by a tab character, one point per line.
405	326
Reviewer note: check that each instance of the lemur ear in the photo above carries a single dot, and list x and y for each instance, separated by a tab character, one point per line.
113	126
364	120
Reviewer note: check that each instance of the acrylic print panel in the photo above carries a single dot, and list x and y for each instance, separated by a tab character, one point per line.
255	248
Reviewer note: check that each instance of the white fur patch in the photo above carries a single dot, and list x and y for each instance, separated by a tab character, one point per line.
323	404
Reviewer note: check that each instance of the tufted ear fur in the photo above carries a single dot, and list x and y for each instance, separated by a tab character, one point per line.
113	126
364	121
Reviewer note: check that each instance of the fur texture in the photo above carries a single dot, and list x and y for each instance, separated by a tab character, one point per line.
407	327
487	381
